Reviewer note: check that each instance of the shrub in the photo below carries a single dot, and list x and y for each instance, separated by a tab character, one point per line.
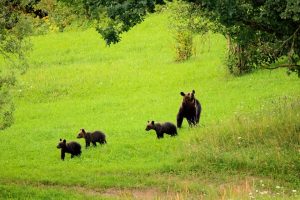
6	104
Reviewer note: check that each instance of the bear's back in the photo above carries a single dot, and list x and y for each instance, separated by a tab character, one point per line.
169	128
98	136
74	148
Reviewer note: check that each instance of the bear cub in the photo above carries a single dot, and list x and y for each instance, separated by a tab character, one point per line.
190	109
162	128
96	136
71	147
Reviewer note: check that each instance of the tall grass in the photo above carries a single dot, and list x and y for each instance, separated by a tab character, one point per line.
265	142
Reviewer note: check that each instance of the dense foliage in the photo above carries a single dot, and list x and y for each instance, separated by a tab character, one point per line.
263	30
14	28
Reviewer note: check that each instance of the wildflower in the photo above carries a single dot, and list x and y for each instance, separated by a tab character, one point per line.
264	192
277	187
294	191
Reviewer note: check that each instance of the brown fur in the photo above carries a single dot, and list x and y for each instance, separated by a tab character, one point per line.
94	137
160	129
71	147
190	109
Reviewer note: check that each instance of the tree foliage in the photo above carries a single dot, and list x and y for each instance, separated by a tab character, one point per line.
261	32
14	27
6	105
181	26
114	16
186	21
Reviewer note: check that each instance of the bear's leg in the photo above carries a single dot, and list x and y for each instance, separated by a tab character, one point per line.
102	141
192	121
179	119
198	113
94	144
87	144
62	156
174	133
198	118
72	156
159	135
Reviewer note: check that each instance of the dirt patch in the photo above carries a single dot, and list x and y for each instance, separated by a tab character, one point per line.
242	189
146	194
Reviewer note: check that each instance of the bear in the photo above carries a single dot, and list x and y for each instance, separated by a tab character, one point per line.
71	147
190	109
162	128
96	136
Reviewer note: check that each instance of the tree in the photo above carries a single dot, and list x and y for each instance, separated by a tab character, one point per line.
186	21
261	32
114	16
14	27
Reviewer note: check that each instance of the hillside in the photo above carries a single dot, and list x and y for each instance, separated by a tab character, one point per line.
75	81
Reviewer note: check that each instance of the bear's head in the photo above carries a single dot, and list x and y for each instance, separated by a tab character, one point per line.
81	134
188	98
150	125
61	144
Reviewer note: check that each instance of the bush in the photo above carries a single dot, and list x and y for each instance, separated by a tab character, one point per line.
187	20
180	24
183	46
6	104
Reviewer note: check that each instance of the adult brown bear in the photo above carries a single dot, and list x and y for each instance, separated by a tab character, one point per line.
190	109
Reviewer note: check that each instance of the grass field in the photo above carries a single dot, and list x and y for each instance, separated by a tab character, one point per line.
247	145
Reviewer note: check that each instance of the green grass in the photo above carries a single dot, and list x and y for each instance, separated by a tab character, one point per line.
75	81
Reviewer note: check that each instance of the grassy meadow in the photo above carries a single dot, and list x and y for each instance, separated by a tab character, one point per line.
247	146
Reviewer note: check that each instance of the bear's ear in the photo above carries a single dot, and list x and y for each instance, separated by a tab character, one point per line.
193	91
148	121
64	141
60	139
152	122
182	94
